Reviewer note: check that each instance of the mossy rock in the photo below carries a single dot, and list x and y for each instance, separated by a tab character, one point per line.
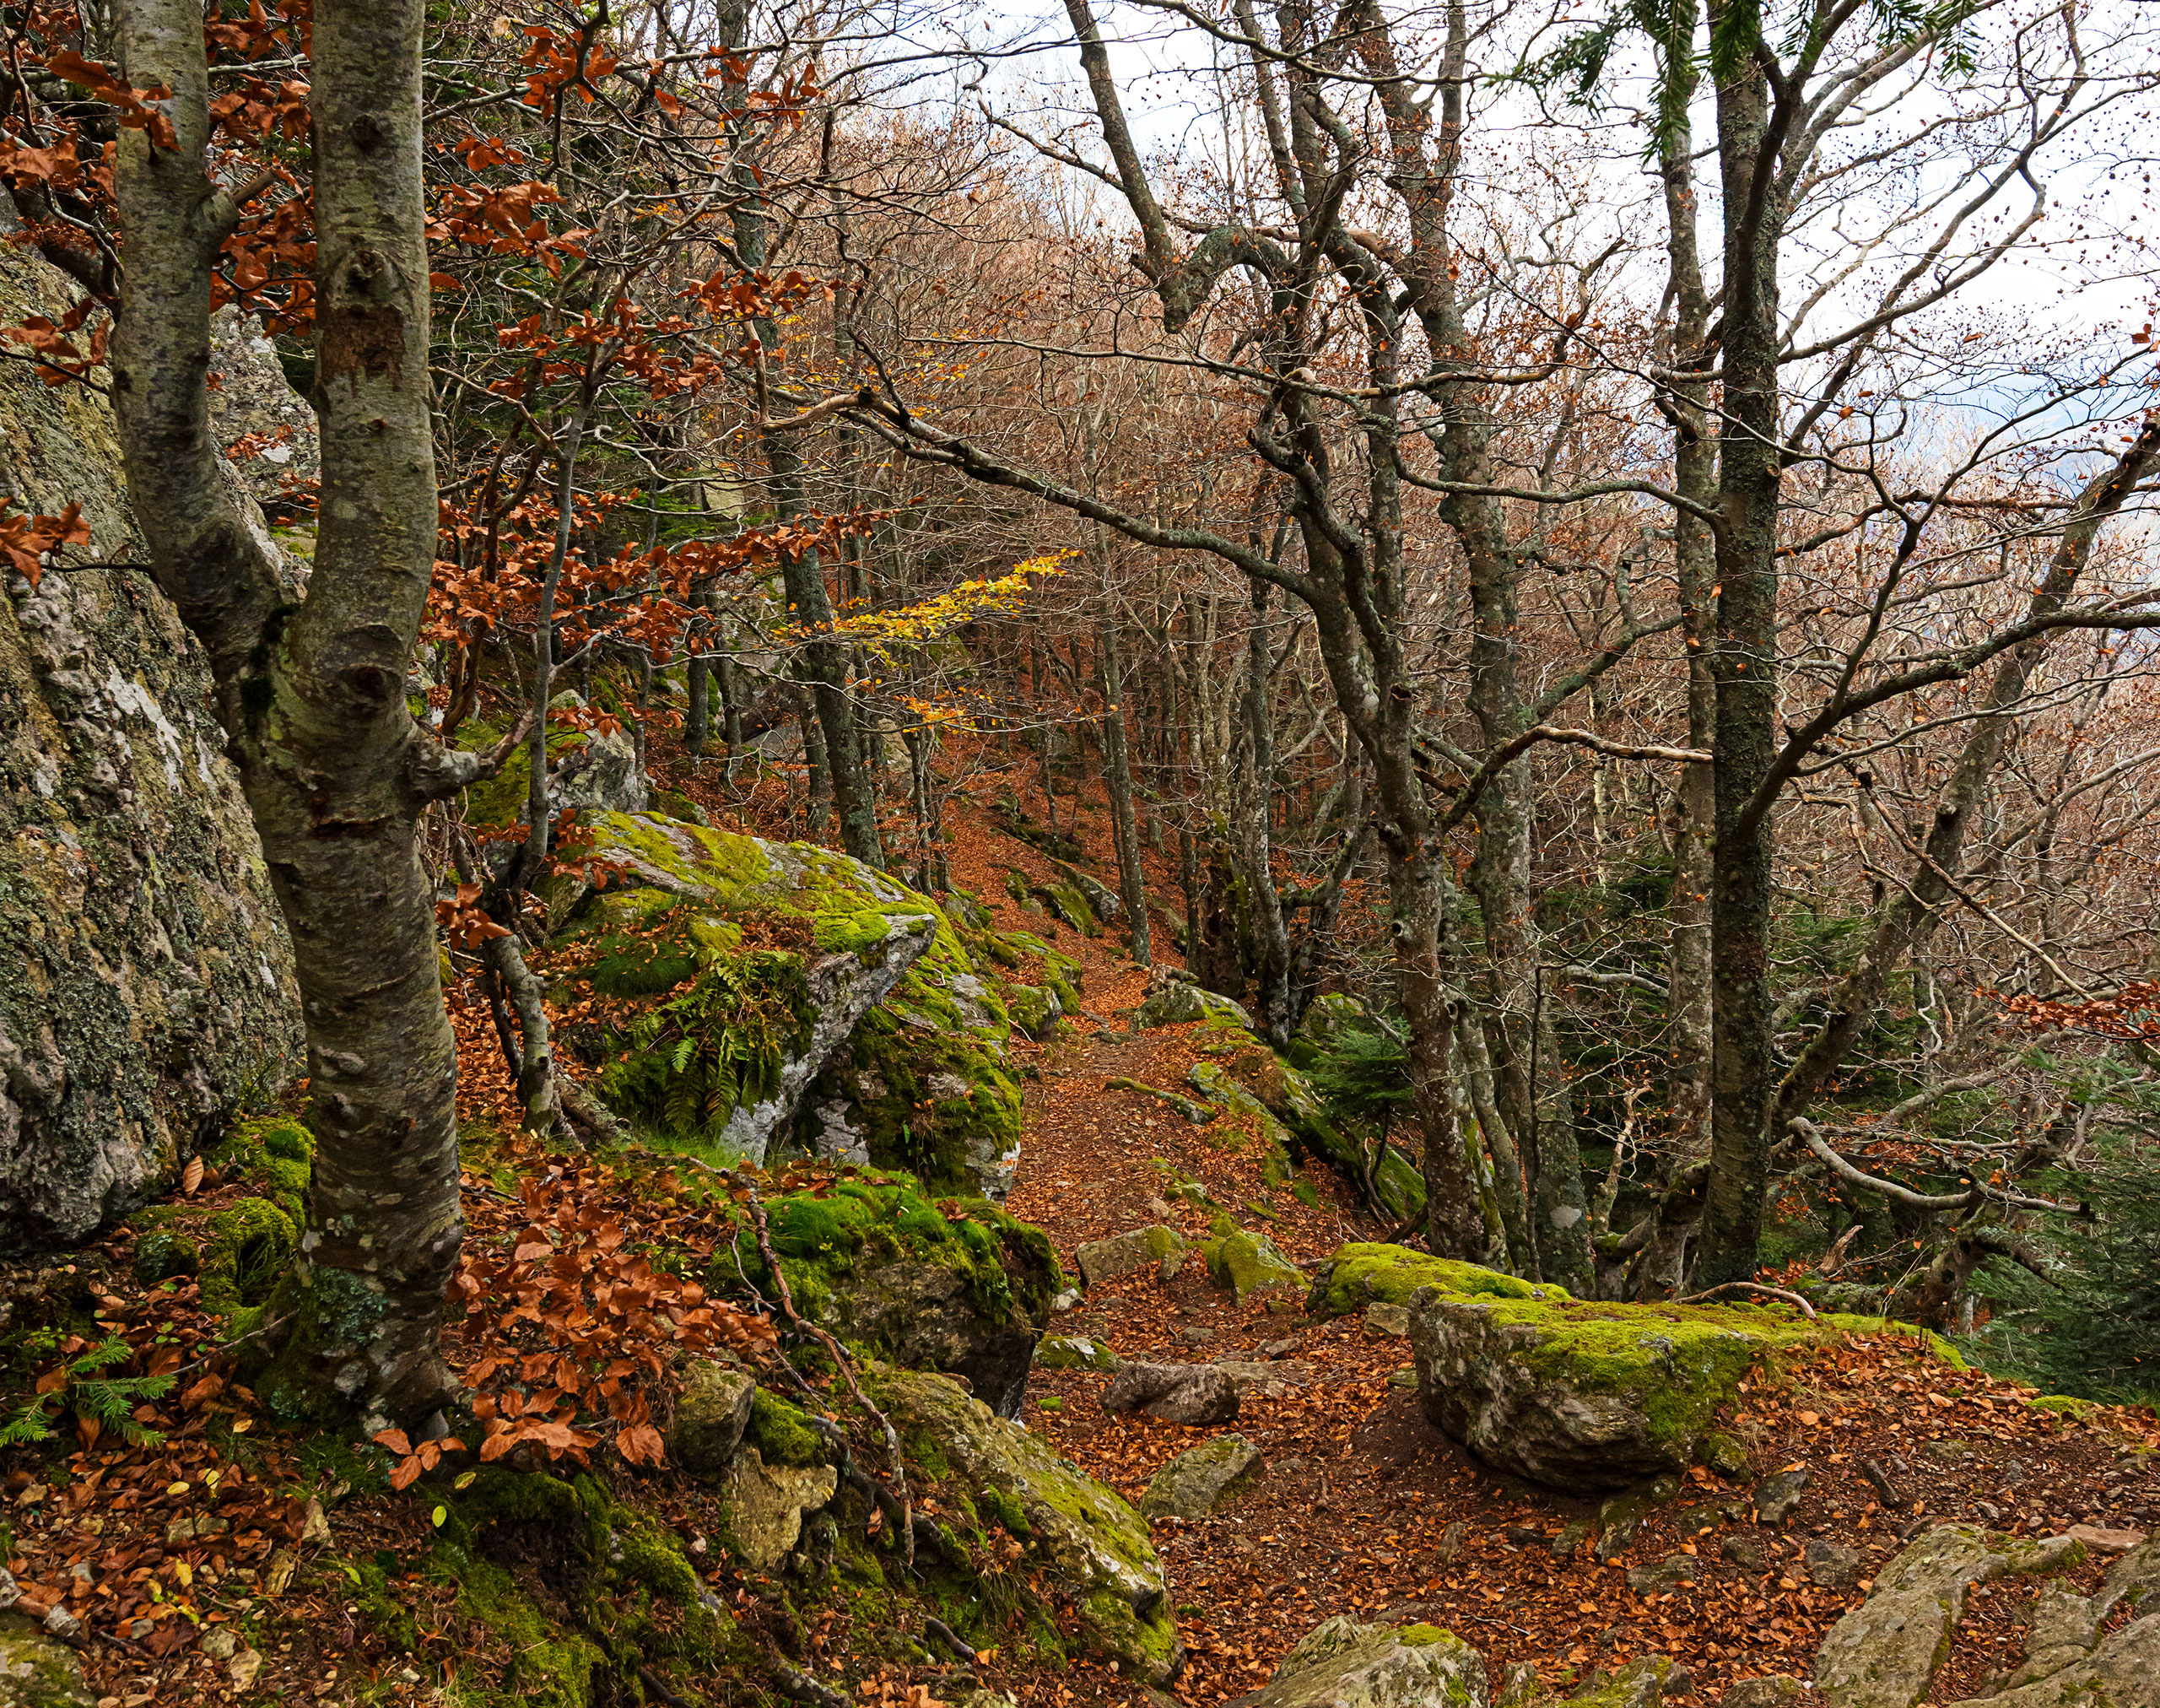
245	1249
1035	1010
1086	1541
769	956
1176	1001
1587	1397
1243	1264
953	1284
571	1592
37	1671
1343	1664
275	1153
814	1003
1361	1273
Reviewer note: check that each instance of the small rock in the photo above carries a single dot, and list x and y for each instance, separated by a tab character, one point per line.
1067	1300
277	1576
1244	1264
1386	1321
219	1644
709	1419
1279	1349
1176	1393
1664	1574
1525	1536
1776	1496
766	1503
2105	1541
1573	1535
1742	1550
1407	1377
1780	1691
314	1528
1450	1547
243	1667
1830	1566
1128	1254
1197	1337
1073	1352
1617	1538
1195	1482
2014	1472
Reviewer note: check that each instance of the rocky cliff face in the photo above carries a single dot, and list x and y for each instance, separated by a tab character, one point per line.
145	985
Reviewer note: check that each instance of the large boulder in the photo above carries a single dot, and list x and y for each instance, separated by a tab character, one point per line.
811	1003
1588	1396
953	1285
1087	1542
1365	1274
146	988
1343	1664
1885	1653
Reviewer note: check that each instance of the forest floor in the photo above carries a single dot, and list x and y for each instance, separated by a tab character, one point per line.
1367	1509
1363	1508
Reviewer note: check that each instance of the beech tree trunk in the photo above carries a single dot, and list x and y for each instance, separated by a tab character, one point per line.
1749	463
311	692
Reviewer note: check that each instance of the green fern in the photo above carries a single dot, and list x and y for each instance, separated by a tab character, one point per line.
113	1401
720	1045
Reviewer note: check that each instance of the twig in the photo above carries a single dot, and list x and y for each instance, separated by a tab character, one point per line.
798	1686
1753	1287
259	1330
653	1683
943	1633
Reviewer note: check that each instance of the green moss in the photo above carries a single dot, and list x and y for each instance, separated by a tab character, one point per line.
782	1433
1677	1364
275	1153
246	1248
2064	1406
163	1255
1361	1273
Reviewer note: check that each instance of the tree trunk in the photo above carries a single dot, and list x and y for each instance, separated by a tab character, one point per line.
1749	465
1117	767
313	698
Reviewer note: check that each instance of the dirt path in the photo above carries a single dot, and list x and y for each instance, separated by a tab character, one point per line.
1367	1509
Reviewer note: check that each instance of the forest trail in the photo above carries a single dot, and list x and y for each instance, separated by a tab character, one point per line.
1364	1508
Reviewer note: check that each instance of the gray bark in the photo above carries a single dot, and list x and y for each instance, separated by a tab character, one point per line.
312	696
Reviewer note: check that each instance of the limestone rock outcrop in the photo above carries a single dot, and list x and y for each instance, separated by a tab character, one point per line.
146	987
1085	1540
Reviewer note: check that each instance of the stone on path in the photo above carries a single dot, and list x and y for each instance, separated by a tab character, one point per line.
1196	1481
1884	1652
1176	1393
1776	1496
1244	1264
1343	1664
1129	1253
